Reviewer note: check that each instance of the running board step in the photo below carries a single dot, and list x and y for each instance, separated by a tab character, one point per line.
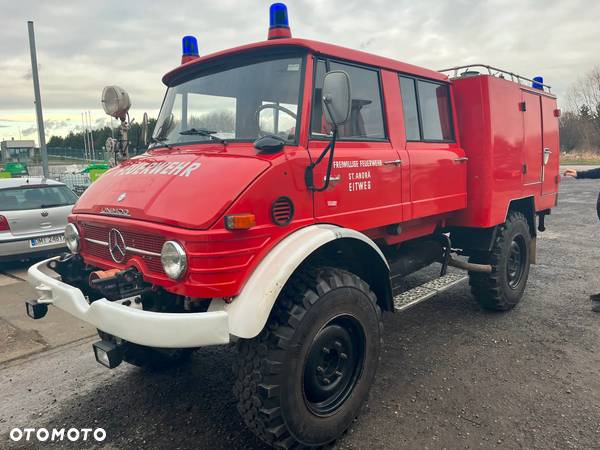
426	291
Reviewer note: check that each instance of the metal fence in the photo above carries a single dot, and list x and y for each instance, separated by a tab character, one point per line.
70	174
66	165
76	154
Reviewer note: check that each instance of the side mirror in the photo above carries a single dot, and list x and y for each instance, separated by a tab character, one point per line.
336	97
145	130
115	101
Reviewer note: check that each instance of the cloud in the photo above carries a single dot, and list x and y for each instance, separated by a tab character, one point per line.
29	74
102	122
12	120
51	125
83	46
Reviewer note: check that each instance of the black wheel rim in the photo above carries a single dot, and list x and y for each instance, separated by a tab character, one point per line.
333	365
517	257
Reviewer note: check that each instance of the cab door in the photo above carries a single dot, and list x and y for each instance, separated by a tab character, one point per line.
366	184
438	166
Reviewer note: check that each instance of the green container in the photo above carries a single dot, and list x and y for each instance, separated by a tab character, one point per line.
95	174
16	169
97	166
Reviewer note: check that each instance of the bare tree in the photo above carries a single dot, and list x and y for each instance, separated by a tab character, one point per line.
580	126
584	95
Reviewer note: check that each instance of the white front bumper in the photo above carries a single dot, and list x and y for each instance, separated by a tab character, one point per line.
165	330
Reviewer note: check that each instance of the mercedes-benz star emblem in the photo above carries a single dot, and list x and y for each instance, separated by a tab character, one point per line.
121	197
116	245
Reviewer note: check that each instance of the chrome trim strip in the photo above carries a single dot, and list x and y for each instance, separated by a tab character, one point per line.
129	249
94	241
142	252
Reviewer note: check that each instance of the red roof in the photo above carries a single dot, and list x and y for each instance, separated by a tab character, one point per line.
317	47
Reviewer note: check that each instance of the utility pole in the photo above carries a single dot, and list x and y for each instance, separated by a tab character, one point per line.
84	131
38	100
91	133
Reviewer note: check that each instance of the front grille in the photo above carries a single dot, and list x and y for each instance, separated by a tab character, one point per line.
140	241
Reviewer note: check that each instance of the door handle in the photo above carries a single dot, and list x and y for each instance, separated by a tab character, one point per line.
547	153
395	162
332	179
459	160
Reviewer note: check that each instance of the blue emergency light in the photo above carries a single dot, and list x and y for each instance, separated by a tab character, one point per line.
278	16
538	83
189	51
190	46
279	25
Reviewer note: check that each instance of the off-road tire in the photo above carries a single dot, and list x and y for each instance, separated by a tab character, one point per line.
271	369
498	290
151	358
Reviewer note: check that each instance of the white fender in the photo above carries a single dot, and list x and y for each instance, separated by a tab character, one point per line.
249	311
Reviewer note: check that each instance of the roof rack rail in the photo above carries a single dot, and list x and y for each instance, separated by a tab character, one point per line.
500	73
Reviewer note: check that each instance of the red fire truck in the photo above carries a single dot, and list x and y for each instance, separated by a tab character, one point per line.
289	188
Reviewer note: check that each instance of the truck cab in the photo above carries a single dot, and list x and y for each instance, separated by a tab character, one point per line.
290	187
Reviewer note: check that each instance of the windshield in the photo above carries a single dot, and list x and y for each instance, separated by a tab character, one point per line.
35	197
243	102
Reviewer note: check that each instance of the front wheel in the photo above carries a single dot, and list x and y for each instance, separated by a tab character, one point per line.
303	380
510	259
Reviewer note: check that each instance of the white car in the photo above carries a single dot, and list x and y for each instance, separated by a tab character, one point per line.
33	216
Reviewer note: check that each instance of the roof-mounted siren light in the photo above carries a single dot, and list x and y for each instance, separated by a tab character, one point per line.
538	83
279	26
189	49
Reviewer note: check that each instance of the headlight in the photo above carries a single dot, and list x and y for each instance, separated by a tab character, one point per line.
72	237
173	259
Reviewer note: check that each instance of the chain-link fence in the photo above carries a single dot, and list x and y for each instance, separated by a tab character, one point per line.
70	174
76	154
75	167
67	165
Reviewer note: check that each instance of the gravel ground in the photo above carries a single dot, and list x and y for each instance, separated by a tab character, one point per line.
451	376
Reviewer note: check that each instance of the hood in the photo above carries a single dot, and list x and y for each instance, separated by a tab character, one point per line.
185	190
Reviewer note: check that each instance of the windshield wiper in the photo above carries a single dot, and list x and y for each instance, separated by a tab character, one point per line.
162	141
203	132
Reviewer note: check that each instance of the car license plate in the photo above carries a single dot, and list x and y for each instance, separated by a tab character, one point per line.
47	240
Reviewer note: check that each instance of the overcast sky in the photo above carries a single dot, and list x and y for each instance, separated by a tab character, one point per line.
83	45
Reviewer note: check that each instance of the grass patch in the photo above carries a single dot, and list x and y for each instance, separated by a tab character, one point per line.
582	157
579	162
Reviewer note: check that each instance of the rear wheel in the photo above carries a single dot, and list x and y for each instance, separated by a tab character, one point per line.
502	289
303	380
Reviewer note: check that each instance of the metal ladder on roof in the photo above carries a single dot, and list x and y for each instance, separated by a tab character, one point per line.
496	72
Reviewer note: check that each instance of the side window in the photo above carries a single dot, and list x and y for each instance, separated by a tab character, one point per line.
434	103
427	110
317	121
366	115
409	105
